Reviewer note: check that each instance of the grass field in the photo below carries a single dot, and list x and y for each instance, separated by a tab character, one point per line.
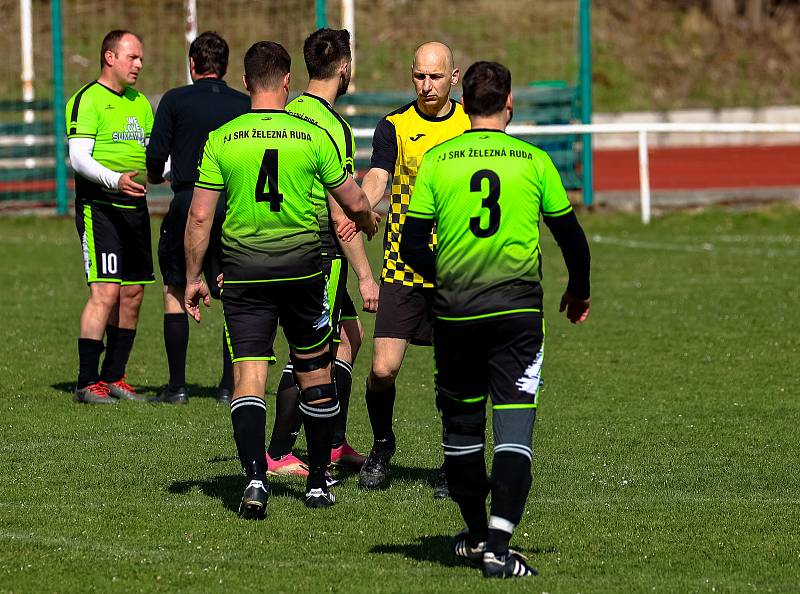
666	450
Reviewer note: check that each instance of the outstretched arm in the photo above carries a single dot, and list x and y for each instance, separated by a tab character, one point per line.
355	205
357	257
575	249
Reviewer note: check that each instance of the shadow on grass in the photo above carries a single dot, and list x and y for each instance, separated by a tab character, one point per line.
414	474
228	489
435	549
195	390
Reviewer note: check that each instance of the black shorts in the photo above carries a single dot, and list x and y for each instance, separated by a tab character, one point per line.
171	255
342	307
405	312
500	356
253	310
115	242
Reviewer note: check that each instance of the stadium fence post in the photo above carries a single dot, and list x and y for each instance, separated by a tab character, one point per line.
585	85
322	17
59	125
644	176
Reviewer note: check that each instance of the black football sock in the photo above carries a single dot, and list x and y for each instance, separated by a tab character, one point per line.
116	359
111	346
226	381
380	407
343	377
89	351
469	487
511	482
318	421
176	343
249	419
287	416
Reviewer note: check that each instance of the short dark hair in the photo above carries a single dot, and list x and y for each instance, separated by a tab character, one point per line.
110	42
210	54
324	50
486	88
265	65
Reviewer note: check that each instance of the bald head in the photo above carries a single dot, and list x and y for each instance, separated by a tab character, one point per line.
434	52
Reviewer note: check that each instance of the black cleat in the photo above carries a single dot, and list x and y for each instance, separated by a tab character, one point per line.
317	498
254	500
374	474
509	565
224	395
170	396
440	488
464	550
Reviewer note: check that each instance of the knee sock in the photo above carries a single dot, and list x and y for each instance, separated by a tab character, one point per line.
120	343
343	377
226	381
287	416
511	482
89	351
380	407
469	486
318	421
249	418
176	342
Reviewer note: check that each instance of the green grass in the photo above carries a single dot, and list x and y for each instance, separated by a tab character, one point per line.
665	451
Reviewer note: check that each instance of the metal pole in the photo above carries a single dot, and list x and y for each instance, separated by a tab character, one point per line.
585	85
59	123
644	177
349	23
190	10
26	40
321	15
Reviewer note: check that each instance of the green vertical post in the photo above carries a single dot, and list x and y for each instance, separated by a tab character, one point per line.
59	123
585	86
322	16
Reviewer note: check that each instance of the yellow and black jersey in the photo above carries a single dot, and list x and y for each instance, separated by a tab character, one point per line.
400	141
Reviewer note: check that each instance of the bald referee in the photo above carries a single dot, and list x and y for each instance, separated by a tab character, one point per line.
183	120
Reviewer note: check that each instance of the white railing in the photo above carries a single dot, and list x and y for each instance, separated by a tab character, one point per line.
641	130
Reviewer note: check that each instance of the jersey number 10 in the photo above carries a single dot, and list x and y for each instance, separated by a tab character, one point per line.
490	202
268	180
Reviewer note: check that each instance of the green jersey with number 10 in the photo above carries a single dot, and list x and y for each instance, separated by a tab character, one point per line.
486	191
268	162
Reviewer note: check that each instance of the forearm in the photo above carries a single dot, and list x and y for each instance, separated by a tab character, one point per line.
575	249
198	231
357	257
414	247
374	185
80	157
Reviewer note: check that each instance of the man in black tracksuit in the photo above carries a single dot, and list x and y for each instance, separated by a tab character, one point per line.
183	120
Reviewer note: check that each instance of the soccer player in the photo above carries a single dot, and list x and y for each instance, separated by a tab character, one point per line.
267	161
108	124
183	120
404	317
328	60
485	192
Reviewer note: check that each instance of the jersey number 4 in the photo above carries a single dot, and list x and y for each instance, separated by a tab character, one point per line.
490	202
268	180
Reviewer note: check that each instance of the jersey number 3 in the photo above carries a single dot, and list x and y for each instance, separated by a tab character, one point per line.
490	202
268	180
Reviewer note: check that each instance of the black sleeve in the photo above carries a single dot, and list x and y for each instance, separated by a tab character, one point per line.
384	146
414	249
575	249
158	148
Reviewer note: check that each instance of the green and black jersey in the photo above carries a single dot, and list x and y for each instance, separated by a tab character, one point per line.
486	191
120	124
318	111
268	162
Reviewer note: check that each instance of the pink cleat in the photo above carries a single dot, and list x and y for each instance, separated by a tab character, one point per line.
345	455
286	465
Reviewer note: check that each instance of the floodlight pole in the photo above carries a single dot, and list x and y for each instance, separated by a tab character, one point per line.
59	123
190	10
26	41
349	23
585	85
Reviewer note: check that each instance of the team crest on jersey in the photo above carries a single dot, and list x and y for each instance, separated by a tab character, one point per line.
133	131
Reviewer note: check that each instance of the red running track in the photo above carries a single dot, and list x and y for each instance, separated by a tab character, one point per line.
700	168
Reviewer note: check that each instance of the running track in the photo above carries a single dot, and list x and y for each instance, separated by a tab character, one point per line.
700	168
